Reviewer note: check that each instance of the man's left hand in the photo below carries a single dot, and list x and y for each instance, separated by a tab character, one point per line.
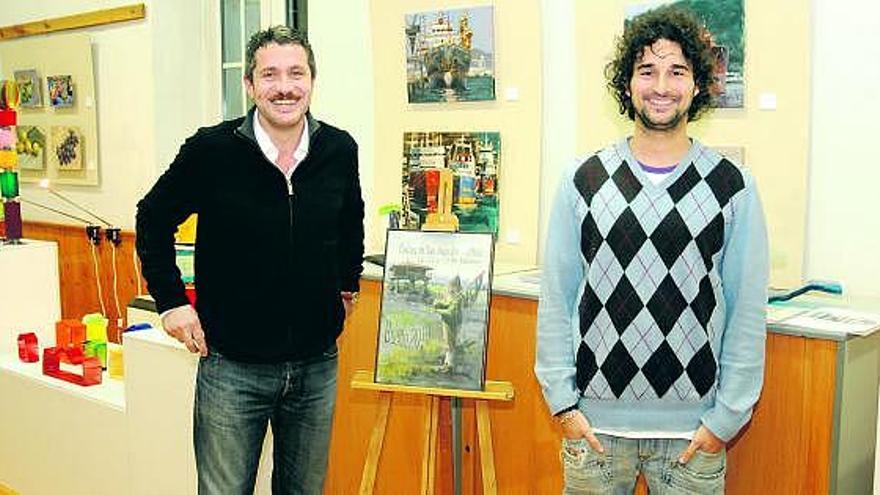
348	300
703	440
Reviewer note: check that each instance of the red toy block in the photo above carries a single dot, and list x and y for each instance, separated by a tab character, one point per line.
8	118
91	374
51	360
28	348
72	355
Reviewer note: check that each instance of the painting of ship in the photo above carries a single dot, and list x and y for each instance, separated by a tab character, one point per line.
473	159
450	55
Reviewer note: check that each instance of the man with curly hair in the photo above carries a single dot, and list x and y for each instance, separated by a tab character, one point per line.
651	323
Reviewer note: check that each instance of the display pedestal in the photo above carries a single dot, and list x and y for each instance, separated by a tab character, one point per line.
29	293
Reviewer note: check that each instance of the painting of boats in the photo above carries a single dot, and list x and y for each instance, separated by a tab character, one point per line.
450	55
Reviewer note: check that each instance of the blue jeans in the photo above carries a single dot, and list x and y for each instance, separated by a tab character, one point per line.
235	401
615	471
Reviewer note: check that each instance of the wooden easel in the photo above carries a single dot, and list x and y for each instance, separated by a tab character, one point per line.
503	391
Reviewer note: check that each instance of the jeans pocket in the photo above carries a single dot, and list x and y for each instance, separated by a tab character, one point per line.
331	352
584	470
703	474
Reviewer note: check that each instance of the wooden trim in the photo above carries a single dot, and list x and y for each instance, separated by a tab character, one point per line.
494	390
76	21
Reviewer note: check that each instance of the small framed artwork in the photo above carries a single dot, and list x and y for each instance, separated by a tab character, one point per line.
66	148
31	147
60	92
450	55
474	160
434	317
29	85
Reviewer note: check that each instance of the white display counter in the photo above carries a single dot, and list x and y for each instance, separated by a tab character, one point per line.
160	382
30	298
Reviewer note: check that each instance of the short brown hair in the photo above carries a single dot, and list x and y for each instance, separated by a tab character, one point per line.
281	35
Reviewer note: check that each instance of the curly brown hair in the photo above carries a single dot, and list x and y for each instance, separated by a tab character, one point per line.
670	23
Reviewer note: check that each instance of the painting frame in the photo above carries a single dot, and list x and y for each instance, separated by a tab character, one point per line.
450	55
30	86
434	311
476	161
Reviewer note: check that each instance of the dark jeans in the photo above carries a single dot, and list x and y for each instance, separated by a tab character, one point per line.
235	401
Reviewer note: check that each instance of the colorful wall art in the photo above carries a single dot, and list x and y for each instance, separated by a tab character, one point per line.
31	147
29	84
450	55
60	91
66	148
473	158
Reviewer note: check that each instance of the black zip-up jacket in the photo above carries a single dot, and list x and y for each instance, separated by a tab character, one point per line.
269	265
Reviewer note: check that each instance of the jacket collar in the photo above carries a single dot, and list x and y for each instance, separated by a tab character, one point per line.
246	128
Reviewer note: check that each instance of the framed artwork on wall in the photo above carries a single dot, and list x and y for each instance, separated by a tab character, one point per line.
474	158
31	147
66	148
58	121
29	84
60	91
450	55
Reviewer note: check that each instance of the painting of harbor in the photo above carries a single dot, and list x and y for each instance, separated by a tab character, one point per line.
725	20
435	309
472	158
450	55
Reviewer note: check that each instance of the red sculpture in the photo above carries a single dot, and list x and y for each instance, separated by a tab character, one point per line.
28	349
53	356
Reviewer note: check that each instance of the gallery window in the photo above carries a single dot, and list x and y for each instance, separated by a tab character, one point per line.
239	20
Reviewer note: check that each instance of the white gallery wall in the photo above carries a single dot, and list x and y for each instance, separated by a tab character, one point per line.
340	34
843	221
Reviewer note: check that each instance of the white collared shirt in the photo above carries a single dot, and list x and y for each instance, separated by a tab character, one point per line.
271	152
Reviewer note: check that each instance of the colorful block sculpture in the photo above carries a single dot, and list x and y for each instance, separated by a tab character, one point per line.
96	349
72	355
96	327
28	348
91	367
10	98
115	363
69	333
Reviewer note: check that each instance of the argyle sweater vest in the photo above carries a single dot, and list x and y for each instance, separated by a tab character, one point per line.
651	307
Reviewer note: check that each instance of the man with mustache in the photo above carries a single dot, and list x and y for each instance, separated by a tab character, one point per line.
651	323
278	260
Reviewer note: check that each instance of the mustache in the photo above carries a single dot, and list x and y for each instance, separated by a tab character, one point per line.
284	96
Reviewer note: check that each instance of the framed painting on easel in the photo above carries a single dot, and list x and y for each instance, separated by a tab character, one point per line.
434	317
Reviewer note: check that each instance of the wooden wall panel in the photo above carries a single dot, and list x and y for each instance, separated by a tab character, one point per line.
820	361
79	295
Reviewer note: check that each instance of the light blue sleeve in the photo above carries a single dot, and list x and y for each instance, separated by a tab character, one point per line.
744	274
561	278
